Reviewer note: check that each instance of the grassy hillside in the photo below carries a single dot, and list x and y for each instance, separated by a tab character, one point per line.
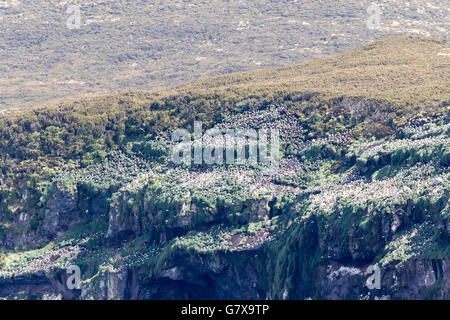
137	45
403	70
363	179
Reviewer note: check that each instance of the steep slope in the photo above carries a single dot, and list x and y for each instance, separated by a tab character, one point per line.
362	183
138	45
402	70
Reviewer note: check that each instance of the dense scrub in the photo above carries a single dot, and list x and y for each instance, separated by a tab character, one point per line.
361	181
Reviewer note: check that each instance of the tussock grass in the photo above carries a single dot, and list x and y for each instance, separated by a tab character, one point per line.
405	70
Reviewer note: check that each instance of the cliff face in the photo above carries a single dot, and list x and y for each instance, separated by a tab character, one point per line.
356	207
301	264
341	219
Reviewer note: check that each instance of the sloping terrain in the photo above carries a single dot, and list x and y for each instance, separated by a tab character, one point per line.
363	180
142	45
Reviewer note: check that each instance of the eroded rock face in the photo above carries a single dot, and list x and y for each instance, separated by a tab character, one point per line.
283	239
39	285
125	223
419	279
63	209
326	262
341	272
415	279
110	285
60	213
185	277
221	277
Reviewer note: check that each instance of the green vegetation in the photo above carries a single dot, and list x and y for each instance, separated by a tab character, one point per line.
363	177
115	52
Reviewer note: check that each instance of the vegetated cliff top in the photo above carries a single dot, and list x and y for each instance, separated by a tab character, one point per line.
142	45
405	69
